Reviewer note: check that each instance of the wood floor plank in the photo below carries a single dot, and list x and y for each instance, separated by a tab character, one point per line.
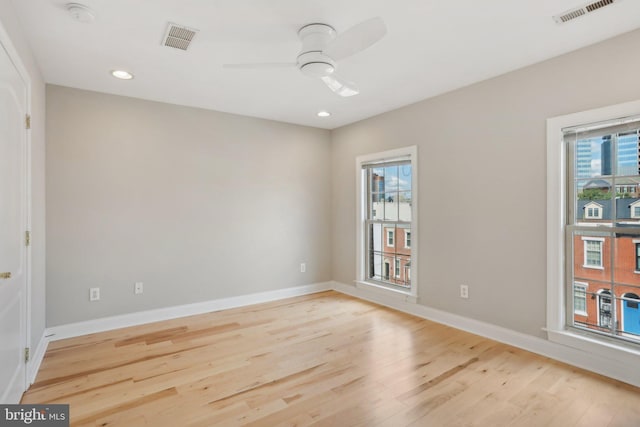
325	359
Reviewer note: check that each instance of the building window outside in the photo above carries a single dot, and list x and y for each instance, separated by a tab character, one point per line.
390	238
637	256
593	212
580	298
387	205
592	253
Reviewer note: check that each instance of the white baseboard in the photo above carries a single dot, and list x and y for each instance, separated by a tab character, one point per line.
36	358
569	355
133	319
622	372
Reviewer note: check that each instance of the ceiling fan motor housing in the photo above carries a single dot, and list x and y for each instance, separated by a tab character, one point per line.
315	38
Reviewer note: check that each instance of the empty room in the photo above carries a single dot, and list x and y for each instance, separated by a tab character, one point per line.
327	213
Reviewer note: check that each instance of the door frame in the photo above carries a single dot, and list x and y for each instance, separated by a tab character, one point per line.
7	44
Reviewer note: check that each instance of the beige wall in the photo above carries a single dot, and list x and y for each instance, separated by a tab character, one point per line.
482	179
11	24
197	205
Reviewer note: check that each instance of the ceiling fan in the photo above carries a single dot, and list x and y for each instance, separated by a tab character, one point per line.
322	46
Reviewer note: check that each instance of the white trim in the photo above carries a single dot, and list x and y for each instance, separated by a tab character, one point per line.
36	359
389	292
622	367
139	318
407	233
14	56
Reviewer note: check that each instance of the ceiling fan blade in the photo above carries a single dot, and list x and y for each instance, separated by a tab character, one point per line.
341	87
356	39
260	65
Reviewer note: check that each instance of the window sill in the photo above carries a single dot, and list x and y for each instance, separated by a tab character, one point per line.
407	296
610	350
593	267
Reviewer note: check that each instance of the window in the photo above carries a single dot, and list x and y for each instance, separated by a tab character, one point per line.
580	298
593	231
387	210
593	211
592	252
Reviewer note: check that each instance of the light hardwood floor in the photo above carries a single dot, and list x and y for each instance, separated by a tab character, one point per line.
323	359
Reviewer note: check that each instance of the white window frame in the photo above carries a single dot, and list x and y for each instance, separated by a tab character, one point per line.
614	351
396	268
407	239
633	207
599	240
410	294
585	288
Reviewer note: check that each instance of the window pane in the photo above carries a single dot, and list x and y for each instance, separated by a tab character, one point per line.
592	256
391	179
627	158
391	206
375	239
404	206
404	178
375	266
376	203
593	157
595	203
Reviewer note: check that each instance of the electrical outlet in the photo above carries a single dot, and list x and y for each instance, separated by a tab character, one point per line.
303	268
464	291
138	288
94	294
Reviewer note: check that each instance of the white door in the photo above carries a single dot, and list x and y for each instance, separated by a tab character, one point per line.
13	222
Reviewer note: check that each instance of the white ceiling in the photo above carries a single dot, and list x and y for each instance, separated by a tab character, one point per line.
432	46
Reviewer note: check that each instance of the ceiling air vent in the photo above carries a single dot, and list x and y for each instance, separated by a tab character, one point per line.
582	10
178	36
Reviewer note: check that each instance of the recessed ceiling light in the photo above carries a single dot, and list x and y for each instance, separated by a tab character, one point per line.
122	74
323	113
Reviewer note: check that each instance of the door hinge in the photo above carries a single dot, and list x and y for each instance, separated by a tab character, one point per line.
27	238
27	121
26	354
